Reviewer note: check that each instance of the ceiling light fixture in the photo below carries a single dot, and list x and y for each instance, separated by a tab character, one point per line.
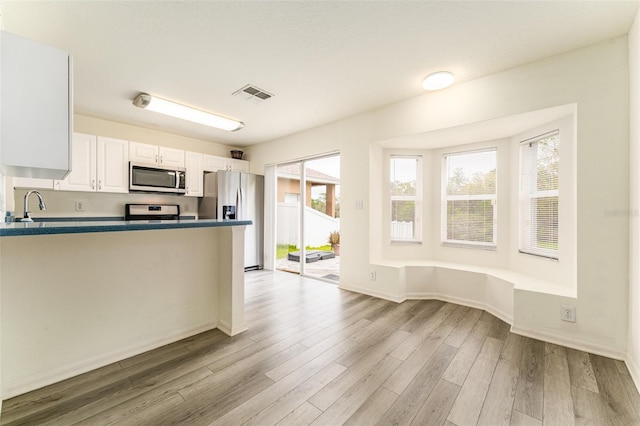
438	80
163	106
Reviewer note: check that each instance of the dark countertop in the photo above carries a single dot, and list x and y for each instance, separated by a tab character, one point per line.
83	225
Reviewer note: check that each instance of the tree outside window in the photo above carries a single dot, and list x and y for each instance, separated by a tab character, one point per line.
470	198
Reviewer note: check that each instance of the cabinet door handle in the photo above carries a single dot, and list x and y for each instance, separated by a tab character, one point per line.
100	185
161	159
156	158
93	184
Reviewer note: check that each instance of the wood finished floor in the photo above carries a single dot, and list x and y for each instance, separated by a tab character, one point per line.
317	355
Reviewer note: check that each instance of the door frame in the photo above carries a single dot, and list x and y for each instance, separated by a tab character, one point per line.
271	208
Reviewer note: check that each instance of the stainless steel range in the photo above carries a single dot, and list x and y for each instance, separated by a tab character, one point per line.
152	212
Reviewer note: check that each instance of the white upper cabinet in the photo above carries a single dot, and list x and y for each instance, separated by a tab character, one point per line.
143	153
214	163
37	109
83	174
171	157
99	164
239	166
153	154
195	174
22	182
112	165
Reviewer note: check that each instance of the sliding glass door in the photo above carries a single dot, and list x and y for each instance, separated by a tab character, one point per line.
321	218
308	217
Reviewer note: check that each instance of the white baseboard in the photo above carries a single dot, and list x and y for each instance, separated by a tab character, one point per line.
433	296
634	370
227	329
569	342
369	292
466	302
10	390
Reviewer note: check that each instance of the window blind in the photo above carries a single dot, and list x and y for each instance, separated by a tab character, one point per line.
470	198
539	195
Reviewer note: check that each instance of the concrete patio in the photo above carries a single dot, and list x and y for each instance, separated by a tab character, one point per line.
328	268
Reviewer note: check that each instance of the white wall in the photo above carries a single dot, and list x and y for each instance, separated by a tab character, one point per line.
633	351
596	79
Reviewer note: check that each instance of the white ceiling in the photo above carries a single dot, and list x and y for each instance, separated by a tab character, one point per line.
323	60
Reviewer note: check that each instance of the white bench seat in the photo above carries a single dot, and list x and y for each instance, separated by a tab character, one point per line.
487	288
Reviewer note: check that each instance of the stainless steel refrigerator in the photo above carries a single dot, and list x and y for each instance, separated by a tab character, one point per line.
236	195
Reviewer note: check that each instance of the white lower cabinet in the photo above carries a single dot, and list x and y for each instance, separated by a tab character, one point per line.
195	174
99	164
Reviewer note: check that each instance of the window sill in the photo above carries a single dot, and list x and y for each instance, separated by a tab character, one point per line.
405	242
469	246
539	256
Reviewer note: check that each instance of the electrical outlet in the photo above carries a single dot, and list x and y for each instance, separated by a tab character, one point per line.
568	313
372	275
359	204
186	208
79	206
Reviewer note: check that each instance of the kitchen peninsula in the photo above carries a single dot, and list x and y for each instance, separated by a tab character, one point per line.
80	295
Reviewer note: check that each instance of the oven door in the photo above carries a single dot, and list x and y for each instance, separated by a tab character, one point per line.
151	178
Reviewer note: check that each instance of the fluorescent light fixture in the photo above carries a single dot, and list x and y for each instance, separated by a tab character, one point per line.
163	106
438	80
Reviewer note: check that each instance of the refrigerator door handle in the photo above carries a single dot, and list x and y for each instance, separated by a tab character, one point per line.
239	204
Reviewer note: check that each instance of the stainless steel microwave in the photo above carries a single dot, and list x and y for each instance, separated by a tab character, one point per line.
155	178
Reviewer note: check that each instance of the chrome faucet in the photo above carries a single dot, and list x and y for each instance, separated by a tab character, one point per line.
26	217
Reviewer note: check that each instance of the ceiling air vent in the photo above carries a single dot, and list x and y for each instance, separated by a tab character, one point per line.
250	92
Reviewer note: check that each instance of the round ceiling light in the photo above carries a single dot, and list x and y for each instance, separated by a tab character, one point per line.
438	80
